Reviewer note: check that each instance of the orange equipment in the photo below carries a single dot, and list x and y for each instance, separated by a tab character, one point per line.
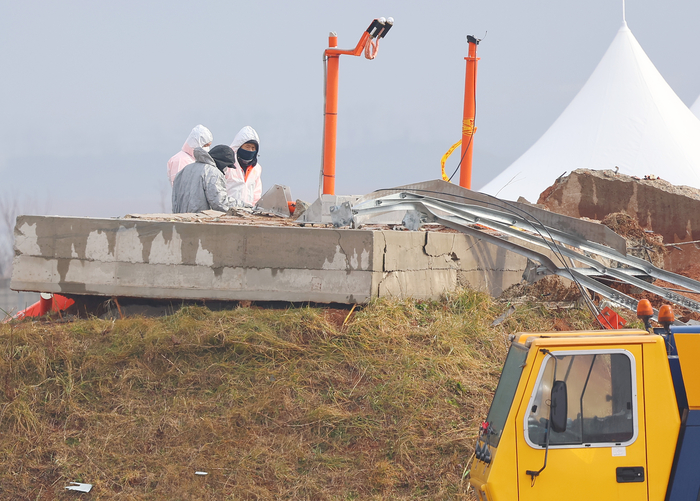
611	320
468	129
468	121
47	303
378	29
666	316
645	312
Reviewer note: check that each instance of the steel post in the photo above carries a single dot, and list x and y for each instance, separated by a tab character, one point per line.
468	128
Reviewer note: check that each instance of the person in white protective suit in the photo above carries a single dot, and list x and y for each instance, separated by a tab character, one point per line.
200	137
243	179
201	185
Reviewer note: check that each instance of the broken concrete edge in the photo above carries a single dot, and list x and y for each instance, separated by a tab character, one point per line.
173	293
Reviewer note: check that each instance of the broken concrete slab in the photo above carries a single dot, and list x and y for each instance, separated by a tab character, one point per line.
211	260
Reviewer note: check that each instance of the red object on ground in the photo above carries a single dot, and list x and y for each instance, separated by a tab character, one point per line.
47	303
610	319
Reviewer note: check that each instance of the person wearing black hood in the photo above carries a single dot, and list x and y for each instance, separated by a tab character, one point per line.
201	186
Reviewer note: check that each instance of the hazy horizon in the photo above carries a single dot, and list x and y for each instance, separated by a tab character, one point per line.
97	97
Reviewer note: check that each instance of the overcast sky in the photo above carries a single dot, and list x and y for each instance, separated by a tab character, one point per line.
96	96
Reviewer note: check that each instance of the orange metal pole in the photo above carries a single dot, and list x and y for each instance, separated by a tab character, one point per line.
357	51
468	129
330	125
379	28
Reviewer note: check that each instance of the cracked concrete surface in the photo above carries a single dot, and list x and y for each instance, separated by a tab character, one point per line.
172	259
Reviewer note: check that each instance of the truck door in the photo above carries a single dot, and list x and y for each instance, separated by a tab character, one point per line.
601	455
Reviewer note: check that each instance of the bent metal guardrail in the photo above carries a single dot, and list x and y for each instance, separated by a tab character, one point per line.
511	227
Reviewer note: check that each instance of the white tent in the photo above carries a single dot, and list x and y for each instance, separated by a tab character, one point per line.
695	108
625	116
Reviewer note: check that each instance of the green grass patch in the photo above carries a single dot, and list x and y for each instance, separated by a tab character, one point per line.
272	403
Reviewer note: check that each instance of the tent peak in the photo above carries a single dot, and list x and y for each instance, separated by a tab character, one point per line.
624	14
695	108
625	115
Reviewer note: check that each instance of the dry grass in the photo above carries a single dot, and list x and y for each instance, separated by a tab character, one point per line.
273	404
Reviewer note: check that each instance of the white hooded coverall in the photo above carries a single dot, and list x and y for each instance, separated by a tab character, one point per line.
199	136
245	187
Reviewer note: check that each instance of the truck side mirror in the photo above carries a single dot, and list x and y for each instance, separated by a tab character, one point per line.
558	407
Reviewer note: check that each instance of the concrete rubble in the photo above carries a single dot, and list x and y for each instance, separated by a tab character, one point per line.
657	205
265	256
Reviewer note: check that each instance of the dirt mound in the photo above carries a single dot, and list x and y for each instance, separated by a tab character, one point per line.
550	289
641	243
692	271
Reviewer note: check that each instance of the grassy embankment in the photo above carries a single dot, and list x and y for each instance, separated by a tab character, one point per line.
273	404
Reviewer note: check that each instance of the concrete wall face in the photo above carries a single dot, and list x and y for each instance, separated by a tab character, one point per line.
138	258
428	264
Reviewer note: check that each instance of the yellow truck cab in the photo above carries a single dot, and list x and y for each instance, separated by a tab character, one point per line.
589	416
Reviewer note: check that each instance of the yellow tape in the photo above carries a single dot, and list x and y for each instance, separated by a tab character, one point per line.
445	157
468	128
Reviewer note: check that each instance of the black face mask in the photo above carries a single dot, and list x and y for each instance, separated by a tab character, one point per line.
247	158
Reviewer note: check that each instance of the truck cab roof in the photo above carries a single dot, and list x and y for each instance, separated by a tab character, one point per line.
582	338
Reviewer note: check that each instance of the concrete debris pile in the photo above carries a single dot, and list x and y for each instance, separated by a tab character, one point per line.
457	238
668	210
641	243
551	289
238	217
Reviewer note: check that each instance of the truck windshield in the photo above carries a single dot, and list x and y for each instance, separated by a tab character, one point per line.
505	392
601	402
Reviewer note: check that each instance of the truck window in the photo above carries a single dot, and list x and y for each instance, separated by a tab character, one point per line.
600	400
505	391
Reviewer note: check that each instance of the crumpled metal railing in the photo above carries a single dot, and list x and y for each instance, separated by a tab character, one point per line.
512	226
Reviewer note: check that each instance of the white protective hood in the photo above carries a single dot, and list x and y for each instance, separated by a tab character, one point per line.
244	135
199	136
625	116
246	188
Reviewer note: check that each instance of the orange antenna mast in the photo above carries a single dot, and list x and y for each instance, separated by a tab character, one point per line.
368	43
468	128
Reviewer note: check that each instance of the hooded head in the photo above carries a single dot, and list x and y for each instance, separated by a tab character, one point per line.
223	156
199	138
246	156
